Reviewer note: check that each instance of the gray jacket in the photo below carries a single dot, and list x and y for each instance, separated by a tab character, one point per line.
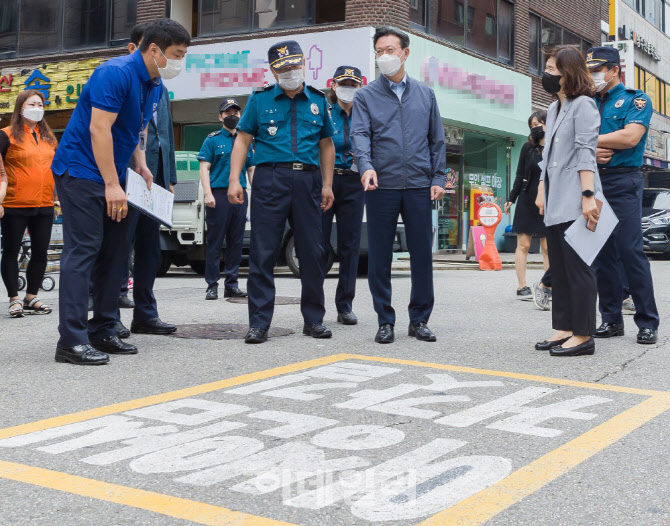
570	146
402	141
160	138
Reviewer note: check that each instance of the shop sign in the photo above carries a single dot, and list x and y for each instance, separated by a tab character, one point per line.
60	83
491	180
627	56
452	181
239	68
640	43
656	144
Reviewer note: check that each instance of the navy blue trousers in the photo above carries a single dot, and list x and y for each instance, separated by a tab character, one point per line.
625	249
93	253
383	208
348	210
279	194
224	221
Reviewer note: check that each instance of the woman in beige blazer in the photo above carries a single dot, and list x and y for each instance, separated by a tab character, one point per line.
566	193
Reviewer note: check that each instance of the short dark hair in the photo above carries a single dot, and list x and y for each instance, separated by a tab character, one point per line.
576	78
137	32
164	32
389	30
612	65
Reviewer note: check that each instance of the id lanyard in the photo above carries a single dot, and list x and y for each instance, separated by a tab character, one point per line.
143	135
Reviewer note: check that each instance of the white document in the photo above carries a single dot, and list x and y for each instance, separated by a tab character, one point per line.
156	203
588	244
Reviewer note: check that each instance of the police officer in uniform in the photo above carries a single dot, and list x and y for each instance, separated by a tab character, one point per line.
625	117
224	220
294	156
348	192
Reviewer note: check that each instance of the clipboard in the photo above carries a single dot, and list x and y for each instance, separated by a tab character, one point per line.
156	203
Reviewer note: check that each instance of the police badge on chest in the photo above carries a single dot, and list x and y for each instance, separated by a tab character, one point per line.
272	129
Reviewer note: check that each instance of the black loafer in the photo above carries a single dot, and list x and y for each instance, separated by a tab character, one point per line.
647	336
152	326
81	355
234	293
385	334
421	332
121	330
126	303
608	330
588	347
256	335
112	345
347	318
318	330
212	292
546	345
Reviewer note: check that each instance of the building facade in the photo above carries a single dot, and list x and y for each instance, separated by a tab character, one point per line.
483	58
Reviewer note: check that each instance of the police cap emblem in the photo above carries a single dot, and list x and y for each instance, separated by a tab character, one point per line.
640	103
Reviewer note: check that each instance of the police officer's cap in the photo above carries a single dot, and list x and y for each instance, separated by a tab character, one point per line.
229	103
348	73
597	56
287	53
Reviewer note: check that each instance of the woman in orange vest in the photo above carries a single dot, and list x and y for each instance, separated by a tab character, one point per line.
27	147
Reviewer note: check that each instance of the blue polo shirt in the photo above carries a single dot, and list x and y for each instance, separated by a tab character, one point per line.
287	130
621	106
121	85
341	138
216	150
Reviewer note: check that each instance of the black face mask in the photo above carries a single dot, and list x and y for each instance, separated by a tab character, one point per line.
537	133
231	121
551	83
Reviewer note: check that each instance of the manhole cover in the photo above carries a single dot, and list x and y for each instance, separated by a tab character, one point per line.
221	331
279	300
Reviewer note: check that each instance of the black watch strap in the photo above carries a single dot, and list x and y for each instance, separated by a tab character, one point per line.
588	193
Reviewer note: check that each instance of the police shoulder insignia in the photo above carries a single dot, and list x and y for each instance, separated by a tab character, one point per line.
640	103
619	103
315	108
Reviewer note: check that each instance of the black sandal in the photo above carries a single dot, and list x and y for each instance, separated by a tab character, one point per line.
30	306
16	312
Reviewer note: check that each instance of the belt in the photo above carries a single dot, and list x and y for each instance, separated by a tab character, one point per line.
302	167
344	171
618	170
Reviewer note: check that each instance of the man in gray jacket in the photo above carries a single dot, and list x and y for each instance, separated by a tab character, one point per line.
398	143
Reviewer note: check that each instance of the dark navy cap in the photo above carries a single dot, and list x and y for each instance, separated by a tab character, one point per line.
348	73
597	56
287	53
229	103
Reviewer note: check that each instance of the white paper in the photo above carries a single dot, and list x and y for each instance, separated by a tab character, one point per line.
588	244
156	202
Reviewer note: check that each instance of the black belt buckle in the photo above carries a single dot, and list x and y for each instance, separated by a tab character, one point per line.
298	166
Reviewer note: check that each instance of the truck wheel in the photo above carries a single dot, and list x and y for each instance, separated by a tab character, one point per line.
165	264
198	267
292	258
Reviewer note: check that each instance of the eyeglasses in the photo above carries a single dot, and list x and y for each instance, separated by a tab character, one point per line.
387	51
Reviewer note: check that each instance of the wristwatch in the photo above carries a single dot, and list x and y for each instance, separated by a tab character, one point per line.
588	193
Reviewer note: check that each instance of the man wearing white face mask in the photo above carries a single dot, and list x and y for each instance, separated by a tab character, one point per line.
294	156
107	129
399	146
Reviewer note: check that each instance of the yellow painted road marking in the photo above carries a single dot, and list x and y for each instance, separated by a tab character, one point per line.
488	503
196	512
477	509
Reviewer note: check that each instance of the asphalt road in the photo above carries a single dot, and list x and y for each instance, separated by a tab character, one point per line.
476	427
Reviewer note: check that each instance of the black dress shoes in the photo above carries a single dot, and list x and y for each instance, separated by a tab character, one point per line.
234	293
421	332
81	355
546	345
112	345
385	334
152	326
256	335
588	347
126	303
121	330
318	330
607	330
212	292
347	318
647	336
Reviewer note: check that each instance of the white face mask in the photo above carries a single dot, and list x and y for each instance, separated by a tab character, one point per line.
346	93
291	80
34	113
599	80
171	69
389	65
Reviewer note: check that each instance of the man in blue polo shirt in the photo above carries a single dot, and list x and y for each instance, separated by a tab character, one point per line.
107	128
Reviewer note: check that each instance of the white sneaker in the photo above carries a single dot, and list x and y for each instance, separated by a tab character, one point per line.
628	307
541	296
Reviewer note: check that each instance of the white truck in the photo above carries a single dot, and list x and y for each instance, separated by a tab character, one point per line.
184	244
